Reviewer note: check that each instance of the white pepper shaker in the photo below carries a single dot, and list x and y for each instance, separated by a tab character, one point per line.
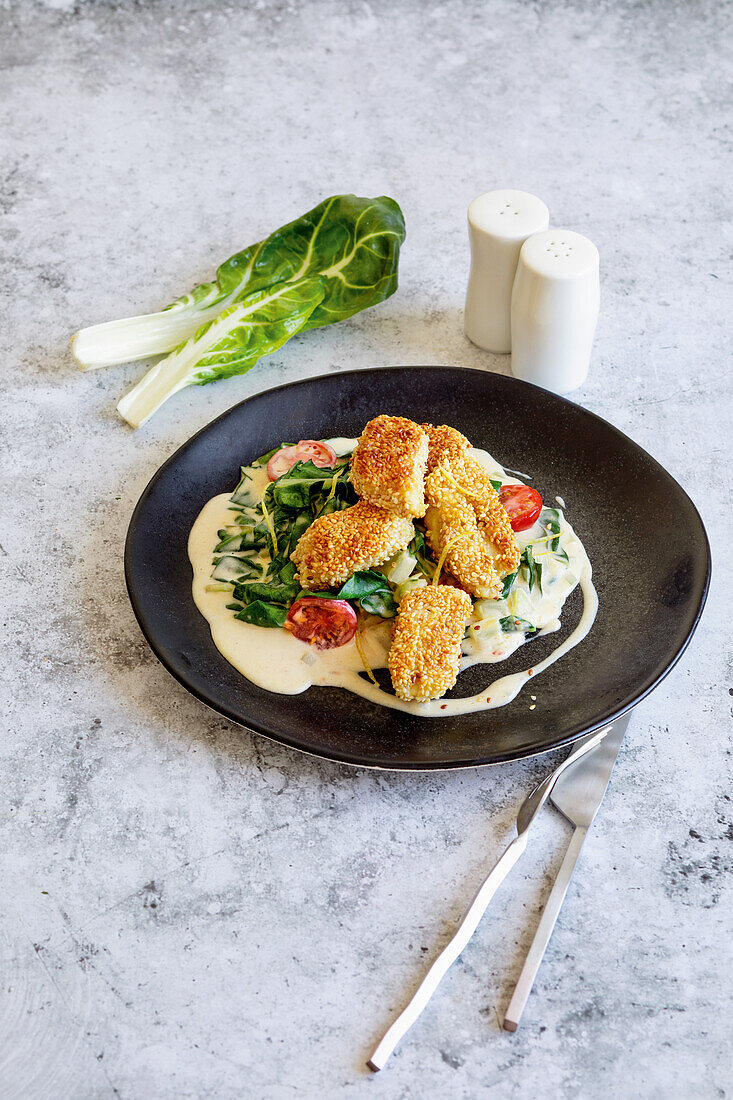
498	224
555	309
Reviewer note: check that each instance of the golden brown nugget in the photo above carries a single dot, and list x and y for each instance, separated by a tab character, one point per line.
467	526
360	537
388	465
445	444
426	649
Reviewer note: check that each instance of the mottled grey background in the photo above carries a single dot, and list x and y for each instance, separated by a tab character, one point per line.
189	910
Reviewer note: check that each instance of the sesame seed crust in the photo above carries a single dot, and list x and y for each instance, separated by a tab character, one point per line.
466	516
337	545
445	445
425	656
388	465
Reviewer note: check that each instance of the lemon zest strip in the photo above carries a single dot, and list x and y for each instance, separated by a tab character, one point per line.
362	655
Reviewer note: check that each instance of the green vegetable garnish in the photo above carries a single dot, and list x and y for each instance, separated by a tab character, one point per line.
419	549
261	613
510	625
550	519
508	582
534	568
372	591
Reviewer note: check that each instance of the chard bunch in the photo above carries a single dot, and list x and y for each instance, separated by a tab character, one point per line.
339	258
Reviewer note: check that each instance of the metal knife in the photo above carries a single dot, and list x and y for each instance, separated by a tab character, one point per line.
528	811
577	794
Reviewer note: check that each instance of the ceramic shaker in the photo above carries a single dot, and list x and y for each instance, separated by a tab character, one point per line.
498	224
554	309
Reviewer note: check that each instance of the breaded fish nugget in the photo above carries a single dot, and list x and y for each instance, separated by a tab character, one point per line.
360	537
426	649
388	465
466	520
445	444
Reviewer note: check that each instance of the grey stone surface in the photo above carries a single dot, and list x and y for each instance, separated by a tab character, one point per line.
187	909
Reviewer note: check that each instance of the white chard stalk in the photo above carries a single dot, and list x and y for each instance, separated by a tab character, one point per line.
228	345
135	338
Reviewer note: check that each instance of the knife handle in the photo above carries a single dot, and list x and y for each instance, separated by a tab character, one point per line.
449	954
541	939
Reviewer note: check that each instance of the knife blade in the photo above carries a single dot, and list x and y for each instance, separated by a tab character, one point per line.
577	794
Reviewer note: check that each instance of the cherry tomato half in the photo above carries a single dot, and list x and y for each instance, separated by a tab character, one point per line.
522	504
326	624
308	450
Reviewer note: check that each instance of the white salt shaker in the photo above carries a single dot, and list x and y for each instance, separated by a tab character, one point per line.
498	224
555	309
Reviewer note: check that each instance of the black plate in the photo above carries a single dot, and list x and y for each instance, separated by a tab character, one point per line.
649	550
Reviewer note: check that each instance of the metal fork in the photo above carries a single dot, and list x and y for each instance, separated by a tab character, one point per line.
528	811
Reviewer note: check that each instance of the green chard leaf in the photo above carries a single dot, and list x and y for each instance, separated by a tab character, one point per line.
353	242
300	525
244	494
282	571
336	503
550	519
299	486
534	568
262	614
229	568
268	591
496	484
421	552
511	625
380	603
372	591
253	538
347	246
508	582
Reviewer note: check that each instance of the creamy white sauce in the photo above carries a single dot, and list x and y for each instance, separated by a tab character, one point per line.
275	660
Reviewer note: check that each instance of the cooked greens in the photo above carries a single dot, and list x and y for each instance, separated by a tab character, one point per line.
511	625
533	568
339	258
372	591
550	520
252	557
508	582
265	531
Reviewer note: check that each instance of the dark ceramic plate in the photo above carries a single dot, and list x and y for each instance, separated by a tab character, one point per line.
650	555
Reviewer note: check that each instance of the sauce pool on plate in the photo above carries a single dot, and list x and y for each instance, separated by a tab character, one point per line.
276	660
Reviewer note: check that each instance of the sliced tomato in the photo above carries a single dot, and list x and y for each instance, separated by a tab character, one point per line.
522	504
326	624
308	450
